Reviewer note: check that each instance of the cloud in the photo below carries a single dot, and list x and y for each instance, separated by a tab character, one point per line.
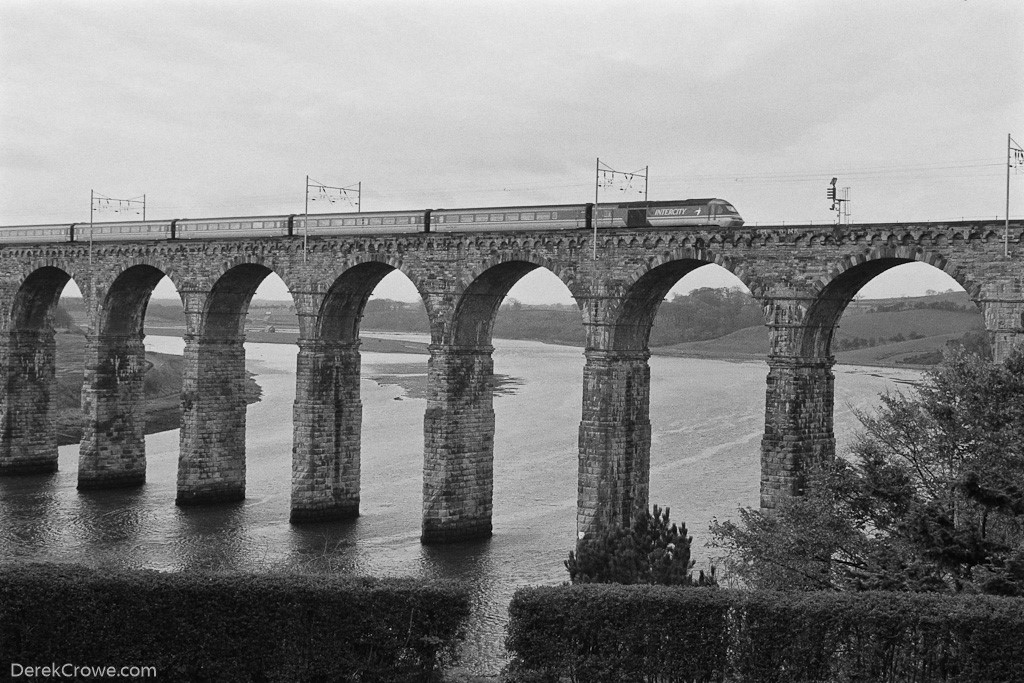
214	108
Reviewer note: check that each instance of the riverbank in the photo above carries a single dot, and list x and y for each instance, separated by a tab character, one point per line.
291	336
162	390
748	344
163	379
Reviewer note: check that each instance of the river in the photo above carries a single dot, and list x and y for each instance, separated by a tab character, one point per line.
707	420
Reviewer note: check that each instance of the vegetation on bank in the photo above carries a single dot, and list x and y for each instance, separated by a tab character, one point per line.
930	497
649	551
902	562
231	626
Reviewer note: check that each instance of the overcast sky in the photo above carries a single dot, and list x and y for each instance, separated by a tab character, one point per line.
223	108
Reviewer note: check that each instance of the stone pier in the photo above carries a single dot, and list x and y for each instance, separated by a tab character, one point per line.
28	444
328	421
615	439
798	424
1004	318
113	449
211	464
458	433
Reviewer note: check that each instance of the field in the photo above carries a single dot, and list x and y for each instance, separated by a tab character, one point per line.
892	338
909	332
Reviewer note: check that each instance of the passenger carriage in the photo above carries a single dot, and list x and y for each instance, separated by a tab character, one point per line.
675	214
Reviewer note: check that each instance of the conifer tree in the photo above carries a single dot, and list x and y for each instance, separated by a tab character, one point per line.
651	551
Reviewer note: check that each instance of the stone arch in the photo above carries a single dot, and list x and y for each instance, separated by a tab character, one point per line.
28	439
251	265
211	465
169	268
124	306
342	307
472	322
113	449
834	292
36	299
459	422
227	303
326	452
645	289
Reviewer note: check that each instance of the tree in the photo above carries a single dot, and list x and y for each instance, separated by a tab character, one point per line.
931	497
62	319
650	551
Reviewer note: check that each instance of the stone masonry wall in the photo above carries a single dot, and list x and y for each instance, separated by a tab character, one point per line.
615	439
804	275
328	420
113	449
29	443
798	424
458	434
211	465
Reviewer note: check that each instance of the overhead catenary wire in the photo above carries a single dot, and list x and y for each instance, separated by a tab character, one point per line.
272	203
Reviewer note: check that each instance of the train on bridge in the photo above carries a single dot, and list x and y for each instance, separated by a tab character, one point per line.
682	214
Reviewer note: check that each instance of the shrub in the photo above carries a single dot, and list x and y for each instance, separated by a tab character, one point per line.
229	627
650	551
654	633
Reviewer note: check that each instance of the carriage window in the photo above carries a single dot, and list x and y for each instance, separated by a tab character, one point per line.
526	216
389	221
348	221
375	221
497	217
543	216
465	219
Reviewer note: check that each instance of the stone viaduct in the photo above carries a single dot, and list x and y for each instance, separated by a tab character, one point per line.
803	275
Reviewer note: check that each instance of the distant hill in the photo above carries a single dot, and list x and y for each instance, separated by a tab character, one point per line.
710	323
888	332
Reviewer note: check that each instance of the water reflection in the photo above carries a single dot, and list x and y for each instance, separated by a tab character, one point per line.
30	514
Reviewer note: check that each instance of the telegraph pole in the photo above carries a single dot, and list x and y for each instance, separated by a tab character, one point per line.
305	223
597	192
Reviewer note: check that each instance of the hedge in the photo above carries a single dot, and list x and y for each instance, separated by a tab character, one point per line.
655	633
229	626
